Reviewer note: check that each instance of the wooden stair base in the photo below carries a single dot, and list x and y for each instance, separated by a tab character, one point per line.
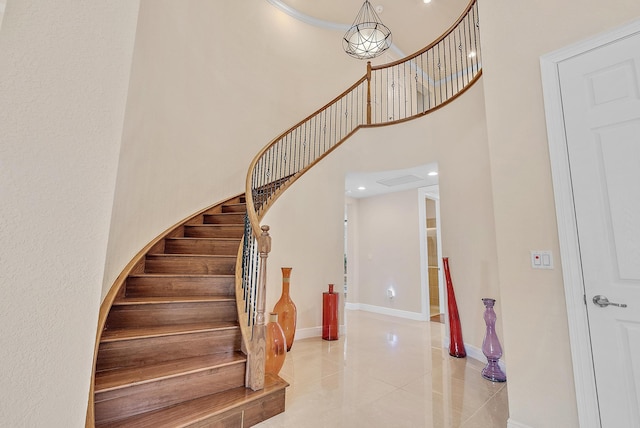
235	408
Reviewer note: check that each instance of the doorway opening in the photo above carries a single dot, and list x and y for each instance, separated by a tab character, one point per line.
433	270
430	253
384	223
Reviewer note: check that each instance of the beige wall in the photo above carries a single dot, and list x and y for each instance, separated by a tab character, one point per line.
389	251
307	221
514	36
308	235
64	69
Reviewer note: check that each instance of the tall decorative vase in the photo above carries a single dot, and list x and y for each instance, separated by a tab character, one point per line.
286	309
491	346
456	344
330	314
276	346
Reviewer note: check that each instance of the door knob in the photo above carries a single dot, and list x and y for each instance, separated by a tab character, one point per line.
602	301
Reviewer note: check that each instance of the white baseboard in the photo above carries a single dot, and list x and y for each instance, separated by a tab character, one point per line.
306	333
476	353
416	316
513	424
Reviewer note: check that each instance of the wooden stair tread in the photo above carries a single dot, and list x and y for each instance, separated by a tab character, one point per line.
187	238
203	256
239	205
221	213
132	376
224	218
180	284
215	225
154	300
130	333
180	275
198	410
186	276
225	214
212	230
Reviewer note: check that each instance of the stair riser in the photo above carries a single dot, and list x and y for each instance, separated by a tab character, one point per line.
213	231
145	351
236	208
201	246
125	402
150	315
224	218
225	265
176	286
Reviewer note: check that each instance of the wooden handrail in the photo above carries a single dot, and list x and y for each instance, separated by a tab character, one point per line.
432	44
251	211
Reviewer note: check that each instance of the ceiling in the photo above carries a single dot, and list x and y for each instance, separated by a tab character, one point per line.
381	182
413	23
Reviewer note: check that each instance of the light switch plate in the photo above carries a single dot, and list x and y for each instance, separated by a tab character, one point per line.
541	259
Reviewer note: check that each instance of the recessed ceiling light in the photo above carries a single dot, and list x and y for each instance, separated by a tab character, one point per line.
426	1
433	173
362	188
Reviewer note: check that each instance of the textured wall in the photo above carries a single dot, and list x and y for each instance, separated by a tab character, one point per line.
533	304
64	69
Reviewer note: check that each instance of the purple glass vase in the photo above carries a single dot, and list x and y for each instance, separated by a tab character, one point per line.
491	346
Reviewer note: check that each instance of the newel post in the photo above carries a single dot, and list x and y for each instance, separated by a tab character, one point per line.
256	357
368	92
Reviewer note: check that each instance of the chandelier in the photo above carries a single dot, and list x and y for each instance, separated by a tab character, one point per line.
367	37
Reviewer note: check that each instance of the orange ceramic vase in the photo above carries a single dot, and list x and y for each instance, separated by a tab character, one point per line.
286	309
276	346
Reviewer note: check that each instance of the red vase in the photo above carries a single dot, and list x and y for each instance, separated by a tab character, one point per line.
456	344
276	346
330	314
286	309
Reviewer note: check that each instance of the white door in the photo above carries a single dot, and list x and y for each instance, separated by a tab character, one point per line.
601	104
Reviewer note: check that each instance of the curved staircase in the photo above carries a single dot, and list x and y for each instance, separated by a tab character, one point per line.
170	350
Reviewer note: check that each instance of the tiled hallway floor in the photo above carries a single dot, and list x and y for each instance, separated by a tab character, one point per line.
386	372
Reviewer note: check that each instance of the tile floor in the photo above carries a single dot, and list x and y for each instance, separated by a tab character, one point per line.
386	372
